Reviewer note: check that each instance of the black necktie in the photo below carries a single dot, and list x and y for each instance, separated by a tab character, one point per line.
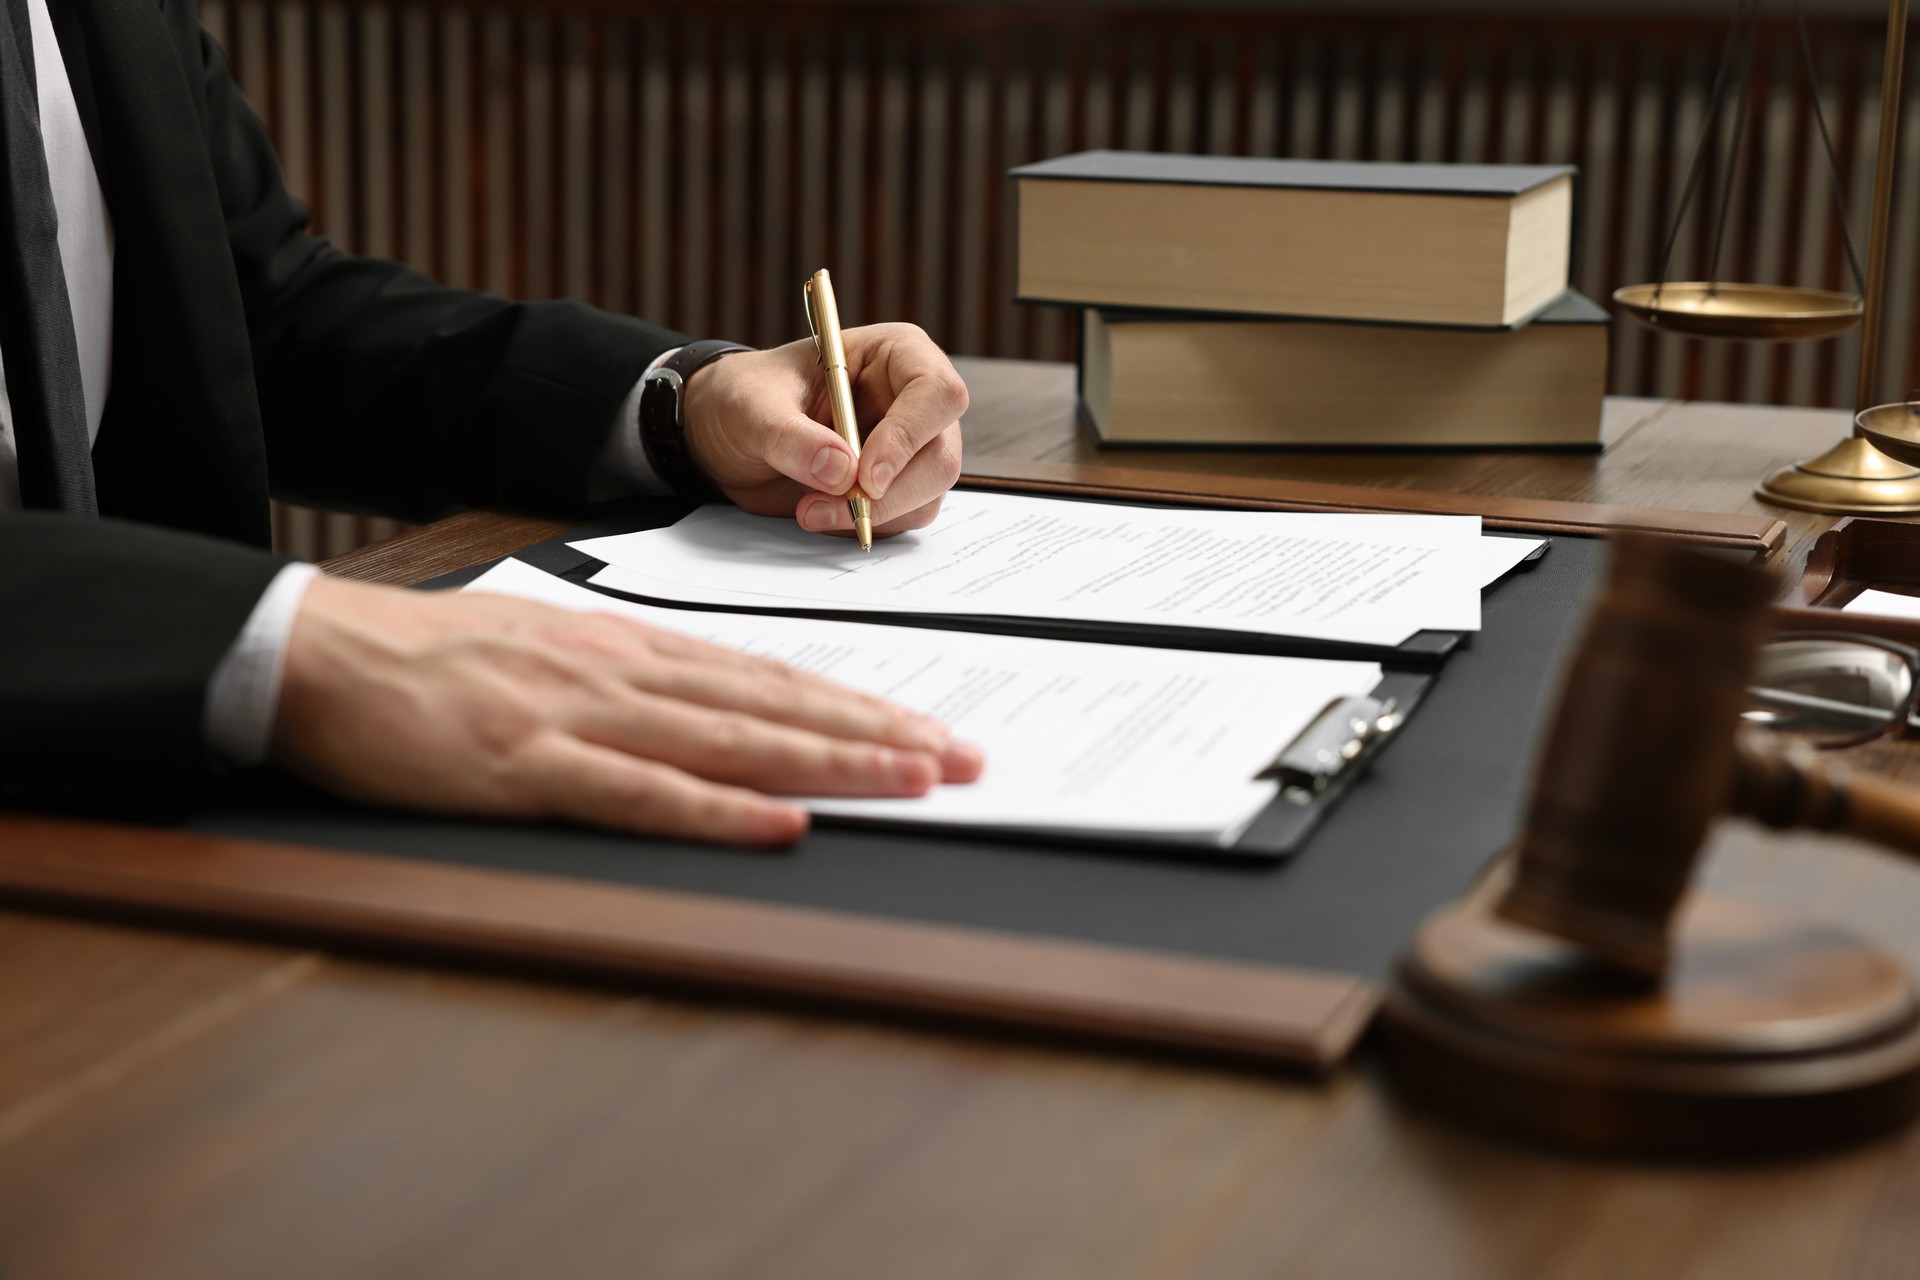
36	316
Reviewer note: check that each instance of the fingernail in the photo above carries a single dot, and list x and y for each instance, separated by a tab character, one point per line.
962	761
911	771
830	467
931	734
818	516
883	473
771	825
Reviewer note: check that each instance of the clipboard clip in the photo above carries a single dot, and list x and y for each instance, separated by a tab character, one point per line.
1335	749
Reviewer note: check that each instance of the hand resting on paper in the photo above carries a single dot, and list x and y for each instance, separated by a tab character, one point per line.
493	706
758	426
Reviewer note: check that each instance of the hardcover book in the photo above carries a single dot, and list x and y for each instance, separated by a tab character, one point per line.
1484	245
1161	379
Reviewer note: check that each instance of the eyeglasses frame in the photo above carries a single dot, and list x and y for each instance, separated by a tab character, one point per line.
1900	721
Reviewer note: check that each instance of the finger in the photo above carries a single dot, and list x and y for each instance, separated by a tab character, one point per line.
833	517
807	452
675	665
918	518
919	489
714	676
608	788
648	643
818	513
785	696
739	749
926	479
928	398
962	762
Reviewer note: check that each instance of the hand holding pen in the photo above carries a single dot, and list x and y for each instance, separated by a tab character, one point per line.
757	427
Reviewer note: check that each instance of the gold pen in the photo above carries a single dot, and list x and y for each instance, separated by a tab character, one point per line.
823	321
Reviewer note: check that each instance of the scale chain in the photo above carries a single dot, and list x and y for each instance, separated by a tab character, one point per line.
1744	11
1736	58
1889	101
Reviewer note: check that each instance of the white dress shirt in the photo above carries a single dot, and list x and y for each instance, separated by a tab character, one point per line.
86	242
245	689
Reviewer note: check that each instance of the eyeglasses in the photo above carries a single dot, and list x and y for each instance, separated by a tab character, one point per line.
1830	689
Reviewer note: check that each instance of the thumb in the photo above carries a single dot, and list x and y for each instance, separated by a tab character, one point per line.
806	452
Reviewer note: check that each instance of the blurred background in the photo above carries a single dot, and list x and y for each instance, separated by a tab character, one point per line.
693	162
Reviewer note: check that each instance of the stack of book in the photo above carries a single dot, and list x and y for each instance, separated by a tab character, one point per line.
1296	302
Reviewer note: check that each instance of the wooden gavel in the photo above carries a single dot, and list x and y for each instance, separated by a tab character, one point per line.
1646	751
1593	1001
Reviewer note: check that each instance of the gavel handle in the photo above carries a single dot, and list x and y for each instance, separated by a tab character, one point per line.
1796	794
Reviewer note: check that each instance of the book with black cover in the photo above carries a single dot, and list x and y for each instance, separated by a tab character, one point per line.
1483	245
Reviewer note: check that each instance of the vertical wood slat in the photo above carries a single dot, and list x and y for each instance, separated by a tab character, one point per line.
670	160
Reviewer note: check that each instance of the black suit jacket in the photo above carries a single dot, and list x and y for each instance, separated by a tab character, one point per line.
251	358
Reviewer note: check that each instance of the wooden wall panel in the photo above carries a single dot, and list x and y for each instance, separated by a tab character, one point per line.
693	162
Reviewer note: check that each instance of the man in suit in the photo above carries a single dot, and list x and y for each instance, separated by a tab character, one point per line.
175	346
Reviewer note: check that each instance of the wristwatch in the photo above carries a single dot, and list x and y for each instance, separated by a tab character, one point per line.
663	424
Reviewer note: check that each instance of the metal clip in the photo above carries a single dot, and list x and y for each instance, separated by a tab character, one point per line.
813	329
1334	749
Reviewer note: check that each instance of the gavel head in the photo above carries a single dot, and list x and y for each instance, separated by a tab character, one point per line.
1639	756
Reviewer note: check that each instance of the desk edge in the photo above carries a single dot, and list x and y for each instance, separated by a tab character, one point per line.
1276	1016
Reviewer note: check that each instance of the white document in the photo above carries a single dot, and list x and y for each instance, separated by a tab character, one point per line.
1369	579
1888	604
1496	557
1088	740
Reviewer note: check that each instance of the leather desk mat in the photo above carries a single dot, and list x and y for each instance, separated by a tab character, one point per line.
1272	961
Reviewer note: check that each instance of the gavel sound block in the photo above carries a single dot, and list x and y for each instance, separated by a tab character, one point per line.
1582	997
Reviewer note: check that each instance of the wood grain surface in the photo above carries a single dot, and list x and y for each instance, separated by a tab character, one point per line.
470	538
1055	453
1658	454
1266	1014
173	1106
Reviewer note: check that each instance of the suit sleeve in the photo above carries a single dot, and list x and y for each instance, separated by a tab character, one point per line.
109	633
381	390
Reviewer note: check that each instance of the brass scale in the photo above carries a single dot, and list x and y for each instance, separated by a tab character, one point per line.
1876	470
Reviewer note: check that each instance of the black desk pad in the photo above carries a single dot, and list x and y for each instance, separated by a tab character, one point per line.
1435	806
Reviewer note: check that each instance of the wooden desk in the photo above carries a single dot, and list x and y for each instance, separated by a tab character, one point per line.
175	1106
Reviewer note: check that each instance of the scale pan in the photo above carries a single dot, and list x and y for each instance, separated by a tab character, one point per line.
1757	312
1893	429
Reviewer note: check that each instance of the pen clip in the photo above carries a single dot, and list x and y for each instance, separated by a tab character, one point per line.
813	328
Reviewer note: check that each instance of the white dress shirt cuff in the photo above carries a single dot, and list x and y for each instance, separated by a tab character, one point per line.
245	689
622	468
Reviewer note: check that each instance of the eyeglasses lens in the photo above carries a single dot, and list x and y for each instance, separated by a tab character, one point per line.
1827	692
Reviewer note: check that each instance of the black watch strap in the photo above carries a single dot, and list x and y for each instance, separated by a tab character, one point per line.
663	424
